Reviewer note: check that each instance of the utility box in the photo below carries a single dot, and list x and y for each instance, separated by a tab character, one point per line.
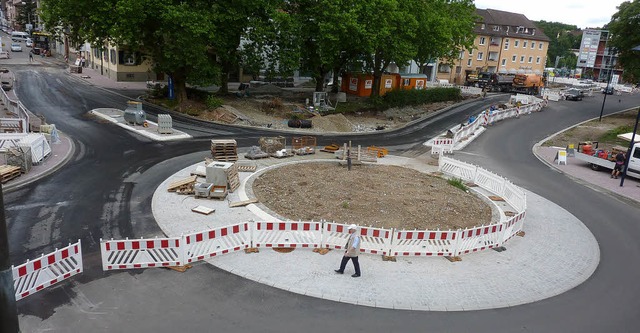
217	173
165	124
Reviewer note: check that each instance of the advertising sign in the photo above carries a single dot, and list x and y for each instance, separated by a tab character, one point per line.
588	48
368	84
353	84
387	83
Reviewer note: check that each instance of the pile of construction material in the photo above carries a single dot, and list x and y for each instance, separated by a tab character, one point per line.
255	153
224	150
270	145
220	178
304	145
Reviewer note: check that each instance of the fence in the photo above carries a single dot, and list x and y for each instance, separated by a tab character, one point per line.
35	275
125	254
21	124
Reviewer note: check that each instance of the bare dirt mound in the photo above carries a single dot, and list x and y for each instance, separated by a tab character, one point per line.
378	195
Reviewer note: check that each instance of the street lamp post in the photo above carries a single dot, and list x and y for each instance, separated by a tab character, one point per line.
606	90
633	139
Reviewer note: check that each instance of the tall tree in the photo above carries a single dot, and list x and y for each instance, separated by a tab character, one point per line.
563	38
445	27
391	28
624	27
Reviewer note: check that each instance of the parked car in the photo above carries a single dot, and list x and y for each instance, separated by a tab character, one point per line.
573	95
608	90
16	47
29	43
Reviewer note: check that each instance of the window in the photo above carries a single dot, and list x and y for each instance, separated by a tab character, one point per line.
530	59
127	58
444	68
533	45
540	46
112	54
496	28
482	40
513	58
504	62
458	69
469	63
482	26
480	55
521	59
636	153
470	53
516	43
506	43
520	30
524	44
461	54
537	60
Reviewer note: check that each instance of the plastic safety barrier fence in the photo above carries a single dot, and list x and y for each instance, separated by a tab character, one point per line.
457	169
489	181
373	240
424	243
141	253
513	225
35	275
442	146
201	245
287	234
480	238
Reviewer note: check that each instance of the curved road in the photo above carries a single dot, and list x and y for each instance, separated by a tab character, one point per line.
105	191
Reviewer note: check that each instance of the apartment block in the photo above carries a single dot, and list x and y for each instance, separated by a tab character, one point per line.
505	43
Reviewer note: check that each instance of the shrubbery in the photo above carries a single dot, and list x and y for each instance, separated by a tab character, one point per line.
214	102
399	98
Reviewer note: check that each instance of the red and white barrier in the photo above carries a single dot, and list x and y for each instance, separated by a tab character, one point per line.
479	238
512	226
35	275
424	243
442	146
141	253
206	244
373	240
287	234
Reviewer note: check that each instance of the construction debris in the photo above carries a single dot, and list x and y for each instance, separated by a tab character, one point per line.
270	145
8	172
183	186
255	153
496	198
180	269
242	203
453	259
332	148
379	151
322	251
224	150
251	250
202	210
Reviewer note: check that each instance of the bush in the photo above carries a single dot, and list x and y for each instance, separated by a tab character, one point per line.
457	182
214	102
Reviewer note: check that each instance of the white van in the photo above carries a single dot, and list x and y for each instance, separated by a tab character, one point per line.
19	36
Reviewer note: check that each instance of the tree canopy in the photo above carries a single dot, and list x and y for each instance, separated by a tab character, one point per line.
202	41
624	27
563	38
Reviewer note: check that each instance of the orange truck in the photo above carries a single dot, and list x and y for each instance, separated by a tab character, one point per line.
528	83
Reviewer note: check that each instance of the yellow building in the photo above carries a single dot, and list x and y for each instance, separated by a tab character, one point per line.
505	43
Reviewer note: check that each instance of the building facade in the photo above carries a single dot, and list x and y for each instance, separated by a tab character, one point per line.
596	58
505	43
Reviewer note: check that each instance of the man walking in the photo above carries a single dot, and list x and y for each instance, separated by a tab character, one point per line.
351	252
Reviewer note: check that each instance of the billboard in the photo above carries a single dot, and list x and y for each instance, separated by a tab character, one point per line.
588	48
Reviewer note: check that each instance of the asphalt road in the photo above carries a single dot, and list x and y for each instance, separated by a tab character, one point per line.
105	191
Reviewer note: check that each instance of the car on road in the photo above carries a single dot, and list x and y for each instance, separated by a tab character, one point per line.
608	90
16	47
573	95
29	43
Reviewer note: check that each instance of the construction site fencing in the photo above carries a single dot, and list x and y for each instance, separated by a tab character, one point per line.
141	253
442	146
206	244
35	275
15	107
287	234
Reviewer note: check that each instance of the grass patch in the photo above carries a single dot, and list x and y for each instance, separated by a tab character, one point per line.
611	136
457	182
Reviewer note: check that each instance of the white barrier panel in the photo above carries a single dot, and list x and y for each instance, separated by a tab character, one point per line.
38	145
489	181
480	238
287	234
424	243
512	226
442	146
514	196
373	240
142	253
38	274
457	169
210	243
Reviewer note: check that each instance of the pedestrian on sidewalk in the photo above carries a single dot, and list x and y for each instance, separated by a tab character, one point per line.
617	169
30	55
351	252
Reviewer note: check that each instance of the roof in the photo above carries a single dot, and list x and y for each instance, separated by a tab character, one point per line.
493	17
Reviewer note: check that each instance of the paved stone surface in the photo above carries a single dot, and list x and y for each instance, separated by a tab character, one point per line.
534	267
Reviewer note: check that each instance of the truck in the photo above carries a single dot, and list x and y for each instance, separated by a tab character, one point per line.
495	81
599	159
528	84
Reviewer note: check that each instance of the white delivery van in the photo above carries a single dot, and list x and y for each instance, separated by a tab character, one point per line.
19	36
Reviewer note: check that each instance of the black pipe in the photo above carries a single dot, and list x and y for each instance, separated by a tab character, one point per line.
8	312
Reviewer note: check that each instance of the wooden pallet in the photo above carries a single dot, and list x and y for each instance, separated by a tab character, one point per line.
232	178
9	172
247	168
224	150
183	186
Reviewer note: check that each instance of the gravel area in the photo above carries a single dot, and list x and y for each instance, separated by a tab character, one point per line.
381	196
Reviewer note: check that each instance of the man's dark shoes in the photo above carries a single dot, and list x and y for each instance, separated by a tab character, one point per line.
339	271
355	275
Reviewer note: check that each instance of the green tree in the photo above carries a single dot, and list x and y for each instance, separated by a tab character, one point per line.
391	28
26	13
445	27
624	27
563	38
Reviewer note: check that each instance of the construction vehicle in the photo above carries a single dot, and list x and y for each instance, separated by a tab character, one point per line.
527	84
495	81
602	159
471	80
